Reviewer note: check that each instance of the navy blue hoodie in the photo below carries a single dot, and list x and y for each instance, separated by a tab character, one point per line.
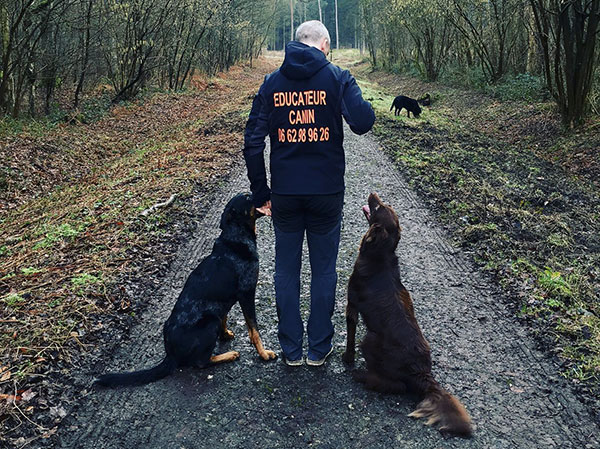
300	106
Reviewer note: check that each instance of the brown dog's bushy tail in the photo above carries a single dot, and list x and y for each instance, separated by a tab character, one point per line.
163	369
444	410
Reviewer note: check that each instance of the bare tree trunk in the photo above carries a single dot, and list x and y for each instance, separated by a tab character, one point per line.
18	95
337	33
320	12
86	54
7	88
567	33
369	34
31	76
4	53
533	59
291	20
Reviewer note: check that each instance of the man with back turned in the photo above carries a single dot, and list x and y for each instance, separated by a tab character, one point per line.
300	106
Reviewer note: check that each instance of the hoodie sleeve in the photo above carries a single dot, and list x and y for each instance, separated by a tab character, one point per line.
358	113
257	129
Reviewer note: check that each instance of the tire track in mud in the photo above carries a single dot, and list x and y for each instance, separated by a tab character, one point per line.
480	353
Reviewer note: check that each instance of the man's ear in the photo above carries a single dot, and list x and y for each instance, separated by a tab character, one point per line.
323	46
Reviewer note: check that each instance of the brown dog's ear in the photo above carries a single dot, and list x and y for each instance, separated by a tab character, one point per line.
376	233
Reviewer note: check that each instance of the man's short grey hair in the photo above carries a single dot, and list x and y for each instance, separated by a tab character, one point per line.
312	33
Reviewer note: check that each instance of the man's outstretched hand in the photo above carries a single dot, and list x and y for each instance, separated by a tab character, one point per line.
265	209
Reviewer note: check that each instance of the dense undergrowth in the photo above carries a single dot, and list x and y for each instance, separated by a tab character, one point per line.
516	191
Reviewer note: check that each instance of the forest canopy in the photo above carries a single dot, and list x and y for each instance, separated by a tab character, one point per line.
48	44
491	40
129	44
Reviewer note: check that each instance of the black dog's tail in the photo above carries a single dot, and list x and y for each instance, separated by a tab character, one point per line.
392	106
163	369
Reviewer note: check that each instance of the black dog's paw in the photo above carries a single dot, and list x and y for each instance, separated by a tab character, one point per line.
267	354
348	357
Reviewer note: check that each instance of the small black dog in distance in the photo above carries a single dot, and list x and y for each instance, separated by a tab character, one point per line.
226	276
410	104
398	356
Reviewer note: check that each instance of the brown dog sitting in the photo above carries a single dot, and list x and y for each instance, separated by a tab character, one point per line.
397	355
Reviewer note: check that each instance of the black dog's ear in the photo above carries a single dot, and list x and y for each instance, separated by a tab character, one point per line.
225	218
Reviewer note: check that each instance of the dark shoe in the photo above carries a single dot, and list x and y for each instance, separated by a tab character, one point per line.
319	362
288	362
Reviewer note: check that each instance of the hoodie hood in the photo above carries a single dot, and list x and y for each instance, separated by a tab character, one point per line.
302	61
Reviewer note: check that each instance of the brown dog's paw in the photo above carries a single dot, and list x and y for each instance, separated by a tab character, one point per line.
227	335
268	355
348	357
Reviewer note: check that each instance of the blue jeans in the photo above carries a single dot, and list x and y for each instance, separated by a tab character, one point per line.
320	216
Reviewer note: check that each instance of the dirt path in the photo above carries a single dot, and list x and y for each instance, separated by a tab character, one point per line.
480	352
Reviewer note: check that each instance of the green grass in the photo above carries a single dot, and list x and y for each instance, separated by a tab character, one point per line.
28	271
13	299
556	283
10	127
82	280
64	232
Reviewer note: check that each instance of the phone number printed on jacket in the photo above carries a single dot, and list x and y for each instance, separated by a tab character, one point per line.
301	116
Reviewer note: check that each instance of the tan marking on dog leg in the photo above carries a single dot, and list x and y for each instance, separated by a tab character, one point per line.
229	356
265	354
226	333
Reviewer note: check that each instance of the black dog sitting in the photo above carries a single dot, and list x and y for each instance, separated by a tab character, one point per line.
226	276
410	104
